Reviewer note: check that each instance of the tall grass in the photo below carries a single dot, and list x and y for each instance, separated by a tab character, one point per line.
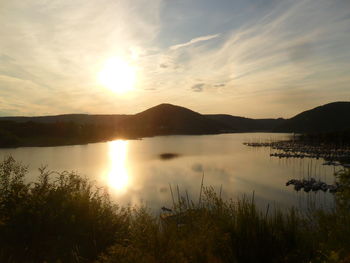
216	231
64	218
60	218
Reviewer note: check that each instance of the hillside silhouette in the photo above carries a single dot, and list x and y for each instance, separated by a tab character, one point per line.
163	119
330	117
167	119
242	124
75	118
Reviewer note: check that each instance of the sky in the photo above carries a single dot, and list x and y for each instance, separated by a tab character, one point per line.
251	58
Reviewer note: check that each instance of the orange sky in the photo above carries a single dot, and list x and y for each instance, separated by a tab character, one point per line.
253	58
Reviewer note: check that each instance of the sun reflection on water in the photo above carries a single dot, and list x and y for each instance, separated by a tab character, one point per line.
118	177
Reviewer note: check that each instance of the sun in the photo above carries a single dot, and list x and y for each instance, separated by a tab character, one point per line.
117	75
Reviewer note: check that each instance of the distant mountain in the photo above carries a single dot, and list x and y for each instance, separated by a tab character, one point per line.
58	130
242	124
164	119
167	119
327	118
76	118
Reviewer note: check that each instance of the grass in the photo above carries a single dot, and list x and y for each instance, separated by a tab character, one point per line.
60	218
216	231
64	218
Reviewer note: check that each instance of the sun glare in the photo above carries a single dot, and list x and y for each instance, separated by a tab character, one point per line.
118	177
117	75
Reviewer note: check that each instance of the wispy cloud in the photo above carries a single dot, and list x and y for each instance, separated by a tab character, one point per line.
198	87
193	41
294	53
59	47
297	48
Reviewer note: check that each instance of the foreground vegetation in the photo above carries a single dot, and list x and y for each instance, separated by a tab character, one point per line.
64	218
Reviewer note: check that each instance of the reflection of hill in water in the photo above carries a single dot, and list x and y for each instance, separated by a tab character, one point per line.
168	156
223	159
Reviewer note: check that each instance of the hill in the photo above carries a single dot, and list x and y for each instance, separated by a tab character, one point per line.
164	119
75	118
327	118
242	124
167	119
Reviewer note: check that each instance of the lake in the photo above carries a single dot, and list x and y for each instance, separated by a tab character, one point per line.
135	174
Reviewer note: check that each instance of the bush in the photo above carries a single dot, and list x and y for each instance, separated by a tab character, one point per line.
334	226
60	218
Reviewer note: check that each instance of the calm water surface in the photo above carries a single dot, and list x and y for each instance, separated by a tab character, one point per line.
134	173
